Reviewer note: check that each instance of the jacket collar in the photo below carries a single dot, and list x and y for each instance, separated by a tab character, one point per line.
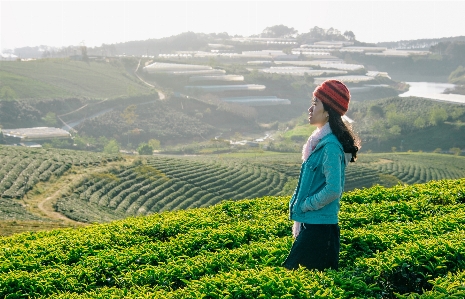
330	138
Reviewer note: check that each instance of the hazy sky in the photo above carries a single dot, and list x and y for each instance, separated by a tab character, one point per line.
64	23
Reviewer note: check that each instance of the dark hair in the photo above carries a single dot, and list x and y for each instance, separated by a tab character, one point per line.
349	140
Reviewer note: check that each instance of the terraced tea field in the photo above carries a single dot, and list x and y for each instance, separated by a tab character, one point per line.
22	168
400	242
163	184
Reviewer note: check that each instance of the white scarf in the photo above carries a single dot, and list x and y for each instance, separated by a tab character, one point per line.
314	139
307	150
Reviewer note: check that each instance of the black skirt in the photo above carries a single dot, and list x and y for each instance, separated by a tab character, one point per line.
316	247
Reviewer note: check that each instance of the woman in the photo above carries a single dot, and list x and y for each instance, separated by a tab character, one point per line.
315	204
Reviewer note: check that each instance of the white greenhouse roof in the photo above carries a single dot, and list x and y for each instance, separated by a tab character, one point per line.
335	43
165	67
257	100
399	53
217	78
260	62
220	88
342	66
36	133
345	79
199	72
300	71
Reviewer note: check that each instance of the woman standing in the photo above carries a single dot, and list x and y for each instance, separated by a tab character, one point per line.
314	205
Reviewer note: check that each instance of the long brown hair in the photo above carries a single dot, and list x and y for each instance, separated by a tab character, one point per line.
349	140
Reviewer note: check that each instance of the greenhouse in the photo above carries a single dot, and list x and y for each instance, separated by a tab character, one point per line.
217	78
345	79
37	133
221	88
161	67
342	66
257	100
300	71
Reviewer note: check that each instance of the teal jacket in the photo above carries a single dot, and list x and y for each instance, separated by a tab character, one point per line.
316	199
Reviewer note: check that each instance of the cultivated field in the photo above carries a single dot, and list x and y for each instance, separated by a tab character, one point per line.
94	187
401	242
58	78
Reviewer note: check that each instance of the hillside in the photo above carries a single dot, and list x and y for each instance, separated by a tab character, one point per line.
46	188
410	123
64	78
395	243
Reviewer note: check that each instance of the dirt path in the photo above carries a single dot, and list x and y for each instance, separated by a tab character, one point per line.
42	203
160	94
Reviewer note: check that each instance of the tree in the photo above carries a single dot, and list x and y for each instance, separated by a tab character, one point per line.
278	31
154	143
419	123
317	33
129	114
50	119
455	150
145	149
349	35
85	58
376	111
437	115
7	94
395	130
112	147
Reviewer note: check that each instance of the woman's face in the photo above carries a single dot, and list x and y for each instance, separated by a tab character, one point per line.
317	115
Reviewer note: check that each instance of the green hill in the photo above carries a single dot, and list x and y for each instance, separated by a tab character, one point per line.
405	241
409	123
94	191
63	78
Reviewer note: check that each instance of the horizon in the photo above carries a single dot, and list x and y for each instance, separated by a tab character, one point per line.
93	23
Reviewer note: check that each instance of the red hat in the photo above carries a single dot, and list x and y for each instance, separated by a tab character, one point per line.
335	94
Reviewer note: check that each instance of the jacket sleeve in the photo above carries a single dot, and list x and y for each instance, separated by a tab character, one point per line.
332	170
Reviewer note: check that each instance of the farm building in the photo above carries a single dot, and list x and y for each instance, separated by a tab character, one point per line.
37	135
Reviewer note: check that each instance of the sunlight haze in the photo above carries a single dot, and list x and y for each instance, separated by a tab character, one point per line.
65	23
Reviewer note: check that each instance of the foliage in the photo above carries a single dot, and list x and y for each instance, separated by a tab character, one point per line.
278	31
393	119
22	168
50	119
458	76
112	147
154	143
145	149
7	93
129	114
405	242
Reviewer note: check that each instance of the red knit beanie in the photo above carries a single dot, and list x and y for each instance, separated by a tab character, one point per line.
334	94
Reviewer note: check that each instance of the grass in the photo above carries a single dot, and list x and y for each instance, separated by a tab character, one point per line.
51	78
302	131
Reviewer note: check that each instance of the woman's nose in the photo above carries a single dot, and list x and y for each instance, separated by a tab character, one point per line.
310	109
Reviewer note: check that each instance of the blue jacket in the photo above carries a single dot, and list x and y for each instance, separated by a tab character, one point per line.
321	182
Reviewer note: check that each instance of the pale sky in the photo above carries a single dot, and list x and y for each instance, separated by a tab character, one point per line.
65	23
